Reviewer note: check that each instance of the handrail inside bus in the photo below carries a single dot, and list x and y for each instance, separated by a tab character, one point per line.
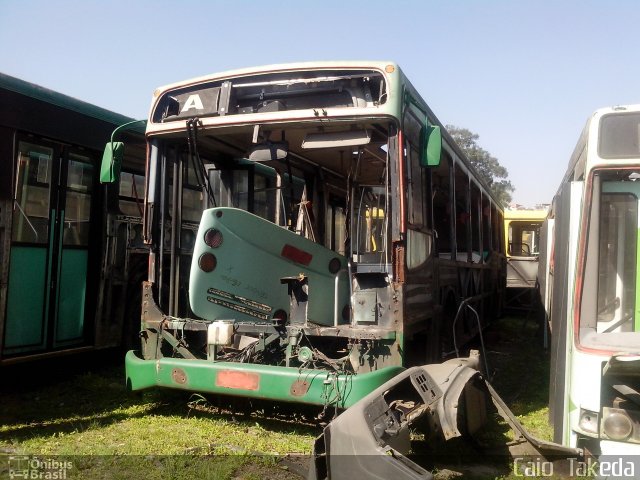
17	204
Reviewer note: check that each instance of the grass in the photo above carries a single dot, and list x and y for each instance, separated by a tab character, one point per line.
520	372
78	408
91	418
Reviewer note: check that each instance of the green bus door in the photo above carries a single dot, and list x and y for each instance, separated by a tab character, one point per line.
49	249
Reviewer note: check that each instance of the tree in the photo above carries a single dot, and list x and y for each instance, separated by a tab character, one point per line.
487	166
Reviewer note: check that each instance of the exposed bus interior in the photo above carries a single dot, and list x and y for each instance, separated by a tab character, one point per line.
320	169
327	184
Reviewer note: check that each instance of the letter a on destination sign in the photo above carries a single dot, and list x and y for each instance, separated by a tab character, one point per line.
192	102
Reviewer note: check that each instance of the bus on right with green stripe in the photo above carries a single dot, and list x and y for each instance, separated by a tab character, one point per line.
589	271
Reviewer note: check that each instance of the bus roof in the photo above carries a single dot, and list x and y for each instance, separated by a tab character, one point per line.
587	140
386	67
539	214
281	67
43	94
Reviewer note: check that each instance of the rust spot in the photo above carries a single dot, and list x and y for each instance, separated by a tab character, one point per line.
238	380
178	376
398	261
299	388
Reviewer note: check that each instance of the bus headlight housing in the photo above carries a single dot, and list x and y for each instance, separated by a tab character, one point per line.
588	421
616	424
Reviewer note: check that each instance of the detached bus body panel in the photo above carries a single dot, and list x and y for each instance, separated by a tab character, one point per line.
372	438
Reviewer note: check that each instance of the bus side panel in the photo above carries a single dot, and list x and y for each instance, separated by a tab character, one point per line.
24	325
73	287
558	303
545	274
543	263
6	207
571	407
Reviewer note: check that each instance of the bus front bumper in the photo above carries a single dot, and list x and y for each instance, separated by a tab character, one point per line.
314	387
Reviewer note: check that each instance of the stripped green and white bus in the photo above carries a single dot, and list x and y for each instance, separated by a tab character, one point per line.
590	267
341	229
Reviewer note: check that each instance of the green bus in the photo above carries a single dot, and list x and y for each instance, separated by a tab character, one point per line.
70	249
342	235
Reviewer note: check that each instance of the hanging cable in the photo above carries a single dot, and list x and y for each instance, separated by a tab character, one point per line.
465	304
197	163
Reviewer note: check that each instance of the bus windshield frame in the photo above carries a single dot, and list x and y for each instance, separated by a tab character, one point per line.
608	317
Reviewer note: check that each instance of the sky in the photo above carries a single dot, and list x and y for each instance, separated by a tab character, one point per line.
524	75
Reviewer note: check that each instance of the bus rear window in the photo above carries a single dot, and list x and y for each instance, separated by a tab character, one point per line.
619	136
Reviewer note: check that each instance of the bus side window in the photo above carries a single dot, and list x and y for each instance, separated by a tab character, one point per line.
264	196
442	201
418	209
523	239
463	216
475	213
335	228
486	226
131	194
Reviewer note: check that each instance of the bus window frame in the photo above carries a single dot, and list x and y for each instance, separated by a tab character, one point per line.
602	130
139	200
586	339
